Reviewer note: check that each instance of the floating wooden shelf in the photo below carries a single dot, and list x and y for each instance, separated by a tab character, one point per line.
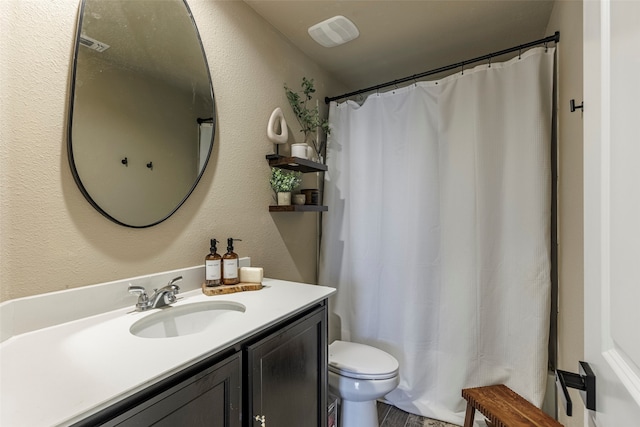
299	165
296	164
298	208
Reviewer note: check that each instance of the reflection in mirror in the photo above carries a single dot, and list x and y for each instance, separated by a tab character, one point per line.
141	124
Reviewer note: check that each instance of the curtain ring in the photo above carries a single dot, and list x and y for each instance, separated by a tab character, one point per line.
546	48
520	53
462	68
490	58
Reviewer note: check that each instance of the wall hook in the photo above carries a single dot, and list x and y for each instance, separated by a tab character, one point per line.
125	161
574	107
150	165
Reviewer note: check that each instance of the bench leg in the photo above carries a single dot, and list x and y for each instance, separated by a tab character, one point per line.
469	416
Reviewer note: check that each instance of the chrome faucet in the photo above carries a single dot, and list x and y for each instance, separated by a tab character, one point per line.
160	298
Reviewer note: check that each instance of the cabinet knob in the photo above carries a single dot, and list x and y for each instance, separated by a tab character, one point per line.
262	419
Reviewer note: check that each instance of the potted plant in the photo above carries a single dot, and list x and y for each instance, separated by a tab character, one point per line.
309	118
283	182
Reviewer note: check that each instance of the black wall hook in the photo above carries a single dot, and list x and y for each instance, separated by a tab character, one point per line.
574	107
125	161
150	165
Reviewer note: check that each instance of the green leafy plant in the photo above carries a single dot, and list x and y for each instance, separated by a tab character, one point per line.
309	118
284	181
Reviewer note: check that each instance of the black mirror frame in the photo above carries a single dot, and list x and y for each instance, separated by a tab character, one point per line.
71	159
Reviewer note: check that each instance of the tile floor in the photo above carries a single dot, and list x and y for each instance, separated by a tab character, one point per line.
390	416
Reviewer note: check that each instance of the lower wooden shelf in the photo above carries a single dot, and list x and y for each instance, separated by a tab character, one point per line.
298	208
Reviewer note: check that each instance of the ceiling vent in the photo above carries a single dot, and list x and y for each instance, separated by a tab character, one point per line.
334	31
92	43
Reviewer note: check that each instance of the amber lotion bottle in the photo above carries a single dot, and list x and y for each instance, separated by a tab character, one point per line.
230	264
213	266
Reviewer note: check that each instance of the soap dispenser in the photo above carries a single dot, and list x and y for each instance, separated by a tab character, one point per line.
230	265
213	266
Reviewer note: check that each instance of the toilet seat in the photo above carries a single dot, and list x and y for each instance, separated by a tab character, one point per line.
361	361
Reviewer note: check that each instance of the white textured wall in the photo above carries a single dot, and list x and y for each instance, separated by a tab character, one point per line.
567	18
52	239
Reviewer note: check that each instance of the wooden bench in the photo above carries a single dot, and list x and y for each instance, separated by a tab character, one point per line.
503	408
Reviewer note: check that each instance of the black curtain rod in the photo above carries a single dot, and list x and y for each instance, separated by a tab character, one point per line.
554	38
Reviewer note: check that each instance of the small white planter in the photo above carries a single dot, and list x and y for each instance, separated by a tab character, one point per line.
284	198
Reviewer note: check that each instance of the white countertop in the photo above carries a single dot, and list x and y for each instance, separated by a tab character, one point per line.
60	374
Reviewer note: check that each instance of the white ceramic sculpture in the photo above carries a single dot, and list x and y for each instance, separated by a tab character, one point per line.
277	123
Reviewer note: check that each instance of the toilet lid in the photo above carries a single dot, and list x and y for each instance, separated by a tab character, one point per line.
361	361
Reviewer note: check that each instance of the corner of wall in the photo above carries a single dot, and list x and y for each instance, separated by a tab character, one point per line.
567	18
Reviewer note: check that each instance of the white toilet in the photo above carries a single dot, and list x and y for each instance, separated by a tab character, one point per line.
359	374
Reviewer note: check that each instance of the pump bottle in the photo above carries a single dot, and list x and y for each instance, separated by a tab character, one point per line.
213	266
230	265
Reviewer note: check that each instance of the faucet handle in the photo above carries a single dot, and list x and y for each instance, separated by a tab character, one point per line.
137	290
172	283
143	298
173	287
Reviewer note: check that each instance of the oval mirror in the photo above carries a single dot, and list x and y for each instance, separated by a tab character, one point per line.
142	118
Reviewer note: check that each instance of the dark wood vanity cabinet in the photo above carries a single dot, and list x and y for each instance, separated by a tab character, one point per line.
209	398
287	375
279	373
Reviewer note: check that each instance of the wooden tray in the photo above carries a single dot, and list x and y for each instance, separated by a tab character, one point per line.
229	289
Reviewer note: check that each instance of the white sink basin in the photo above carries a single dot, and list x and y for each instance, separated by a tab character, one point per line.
176	321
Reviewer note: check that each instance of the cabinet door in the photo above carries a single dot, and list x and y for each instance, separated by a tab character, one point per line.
287	381
210	398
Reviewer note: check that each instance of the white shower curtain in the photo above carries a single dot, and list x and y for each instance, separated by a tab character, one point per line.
438	230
